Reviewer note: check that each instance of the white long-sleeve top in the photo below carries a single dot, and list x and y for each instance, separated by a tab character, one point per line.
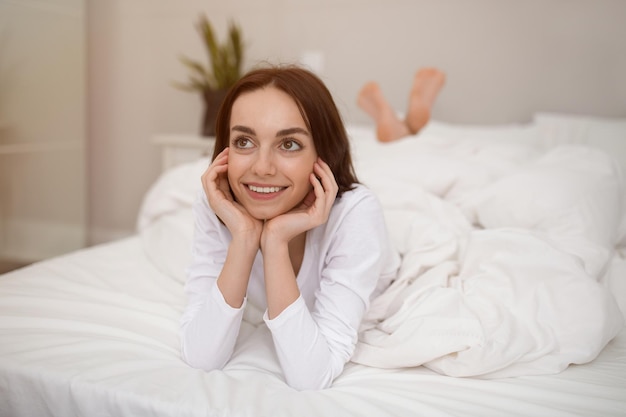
346	262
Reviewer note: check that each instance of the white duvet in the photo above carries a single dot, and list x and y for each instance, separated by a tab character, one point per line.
505	239
505	242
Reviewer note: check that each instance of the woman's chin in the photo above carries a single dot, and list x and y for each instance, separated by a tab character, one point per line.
263	214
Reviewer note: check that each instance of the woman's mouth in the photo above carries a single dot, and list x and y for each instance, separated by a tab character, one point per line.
265	190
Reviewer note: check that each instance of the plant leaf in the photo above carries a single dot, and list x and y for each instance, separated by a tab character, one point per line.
225	60
194	66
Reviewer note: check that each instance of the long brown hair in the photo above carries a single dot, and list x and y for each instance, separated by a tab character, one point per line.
316	107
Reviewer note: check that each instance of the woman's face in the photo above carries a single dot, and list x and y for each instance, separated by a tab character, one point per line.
271	153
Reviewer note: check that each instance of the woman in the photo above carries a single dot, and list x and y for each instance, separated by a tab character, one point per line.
284	224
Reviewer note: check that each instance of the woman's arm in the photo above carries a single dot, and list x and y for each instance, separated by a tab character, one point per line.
279	232
209	324
219	276
313	344
245	230
281	288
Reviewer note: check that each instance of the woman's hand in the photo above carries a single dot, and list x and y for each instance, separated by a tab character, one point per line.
236	218
312	212
245	230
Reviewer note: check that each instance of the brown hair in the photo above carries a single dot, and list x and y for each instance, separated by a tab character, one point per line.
316	107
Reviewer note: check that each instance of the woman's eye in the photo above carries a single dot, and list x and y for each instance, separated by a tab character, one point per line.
242	143
290	145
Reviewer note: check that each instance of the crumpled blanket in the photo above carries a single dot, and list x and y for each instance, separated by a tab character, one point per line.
504	248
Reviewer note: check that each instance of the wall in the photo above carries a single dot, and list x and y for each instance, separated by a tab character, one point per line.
505	59
42	128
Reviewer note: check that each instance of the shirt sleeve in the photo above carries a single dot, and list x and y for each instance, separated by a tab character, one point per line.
209	326
313	345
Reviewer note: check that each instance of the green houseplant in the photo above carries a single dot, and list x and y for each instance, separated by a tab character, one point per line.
222	71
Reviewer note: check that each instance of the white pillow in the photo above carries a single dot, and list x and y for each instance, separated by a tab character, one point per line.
448	160
572	194
605	133
175	189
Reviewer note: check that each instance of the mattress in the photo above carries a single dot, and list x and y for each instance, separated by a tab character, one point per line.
95	332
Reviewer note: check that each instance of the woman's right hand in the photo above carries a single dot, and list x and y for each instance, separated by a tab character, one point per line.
217	189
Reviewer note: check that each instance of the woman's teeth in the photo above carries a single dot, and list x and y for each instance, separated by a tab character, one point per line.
264	190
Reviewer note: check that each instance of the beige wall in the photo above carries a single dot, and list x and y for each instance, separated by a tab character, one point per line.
505	59
42	128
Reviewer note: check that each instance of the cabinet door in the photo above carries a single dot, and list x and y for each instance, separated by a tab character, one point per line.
42	128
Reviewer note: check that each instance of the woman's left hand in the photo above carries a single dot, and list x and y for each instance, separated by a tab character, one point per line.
312	212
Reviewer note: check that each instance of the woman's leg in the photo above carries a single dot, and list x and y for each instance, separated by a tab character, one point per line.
426	85
388	126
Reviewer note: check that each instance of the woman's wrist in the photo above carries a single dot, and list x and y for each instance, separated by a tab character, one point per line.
271	237
247	242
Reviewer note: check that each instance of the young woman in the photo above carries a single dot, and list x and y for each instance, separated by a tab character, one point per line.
284	224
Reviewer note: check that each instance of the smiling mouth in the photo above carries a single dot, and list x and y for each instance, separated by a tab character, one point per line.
265	190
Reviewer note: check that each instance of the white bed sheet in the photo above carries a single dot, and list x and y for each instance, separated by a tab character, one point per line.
95	332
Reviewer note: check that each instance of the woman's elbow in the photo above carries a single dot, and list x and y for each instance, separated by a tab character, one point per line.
318	379
306	384
199	359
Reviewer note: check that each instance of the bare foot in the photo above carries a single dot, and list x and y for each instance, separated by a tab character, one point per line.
388	126
426	86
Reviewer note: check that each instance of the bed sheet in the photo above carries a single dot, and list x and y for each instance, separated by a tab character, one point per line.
94	333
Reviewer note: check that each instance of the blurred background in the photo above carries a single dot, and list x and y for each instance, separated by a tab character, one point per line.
86	85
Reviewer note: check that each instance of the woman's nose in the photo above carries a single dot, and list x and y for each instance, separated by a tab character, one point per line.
264	163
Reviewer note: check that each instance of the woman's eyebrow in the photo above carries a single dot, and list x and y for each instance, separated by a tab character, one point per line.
243	129
291	131
280	133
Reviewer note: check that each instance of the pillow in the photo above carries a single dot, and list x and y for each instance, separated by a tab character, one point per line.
572	194
507	132
605	133
176	188
447	160
165	222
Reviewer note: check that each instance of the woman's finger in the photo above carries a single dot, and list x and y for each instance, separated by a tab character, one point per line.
214	179
318	190
326	176
328	182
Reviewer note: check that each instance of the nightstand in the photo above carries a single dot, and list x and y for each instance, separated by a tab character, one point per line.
179	148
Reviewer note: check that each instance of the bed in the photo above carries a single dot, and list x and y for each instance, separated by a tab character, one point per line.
510	300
